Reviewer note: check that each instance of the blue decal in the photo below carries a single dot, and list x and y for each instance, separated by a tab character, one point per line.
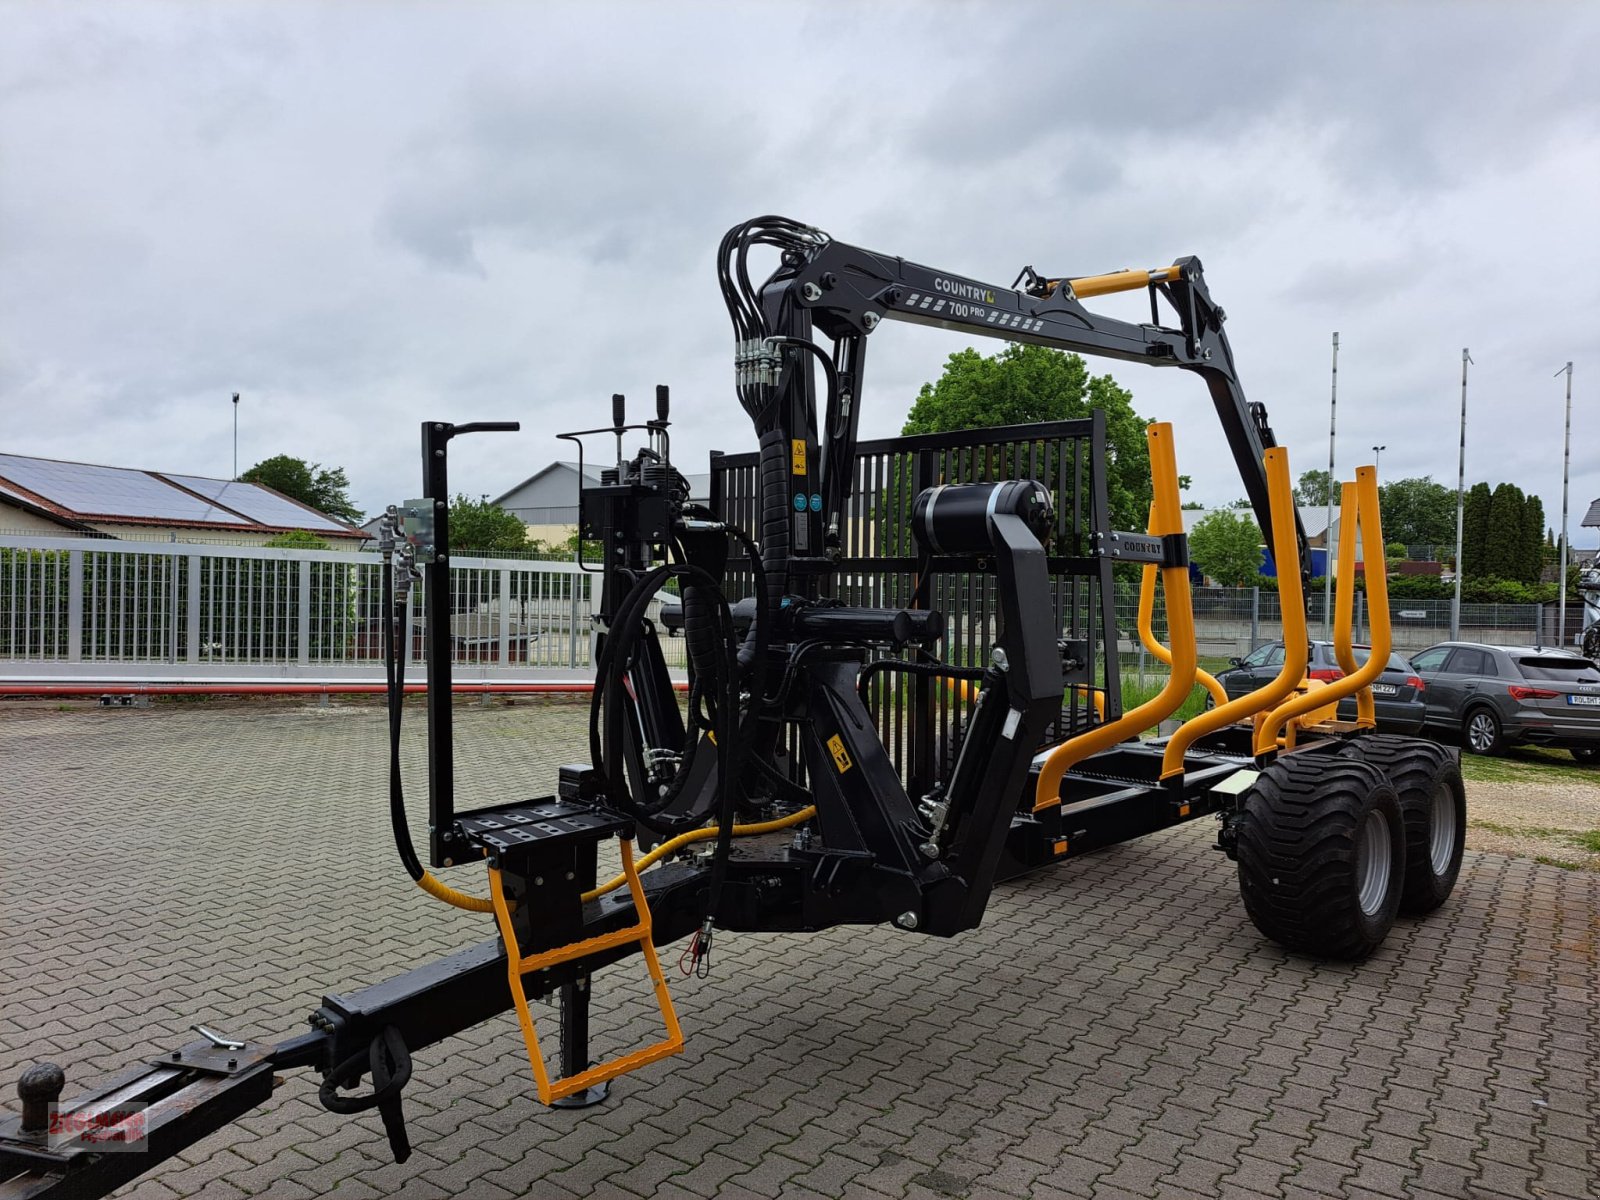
799	502
816	502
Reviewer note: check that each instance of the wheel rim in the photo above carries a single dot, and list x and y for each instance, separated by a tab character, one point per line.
1480	731
1442	829
1373	858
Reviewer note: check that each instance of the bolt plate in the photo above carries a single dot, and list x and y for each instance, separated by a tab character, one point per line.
214	1060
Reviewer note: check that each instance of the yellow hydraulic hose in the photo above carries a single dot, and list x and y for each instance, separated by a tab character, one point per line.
1167	519
1365	510
443	891
1096	695
701	835
1285	549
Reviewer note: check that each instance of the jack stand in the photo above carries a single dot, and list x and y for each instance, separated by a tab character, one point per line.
575	1044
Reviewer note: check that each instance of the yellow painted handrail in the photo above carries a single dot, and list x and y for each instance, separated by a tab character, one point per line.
1365	510
1285	550
1167	519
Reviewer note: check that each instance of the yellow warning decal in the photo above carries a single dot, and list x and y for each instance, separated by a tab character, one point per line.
841	756
797	456
1061	847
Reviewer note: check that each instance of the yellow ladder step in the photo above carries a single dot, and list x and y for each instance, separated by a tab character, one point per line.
517	967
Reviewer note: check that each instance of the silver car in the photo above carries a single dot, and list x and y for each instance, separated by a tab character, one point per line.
1491	697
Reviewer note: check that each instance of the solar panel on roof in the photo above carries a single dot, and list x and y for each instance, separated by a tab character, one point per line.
257	503
109	491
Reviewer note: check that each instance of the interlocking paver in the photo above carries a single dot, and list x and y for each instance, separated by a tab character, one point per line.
1116	1028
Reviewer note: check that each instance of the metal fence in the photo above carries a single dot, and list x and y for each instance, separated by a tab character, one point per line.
91	608
76	609
1234	621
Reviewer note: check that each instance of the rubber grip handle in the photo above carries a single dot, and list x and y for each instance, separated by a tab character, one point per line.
619	414
661	402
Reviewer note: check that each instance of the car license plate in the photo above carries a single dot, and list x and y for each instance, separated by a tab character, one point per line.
1592	701
1383	689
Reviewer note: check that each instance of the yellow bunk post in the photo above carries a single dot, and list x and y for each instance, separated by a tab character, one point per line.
1285	549
1147	637
1168	519
1365	510
1344	613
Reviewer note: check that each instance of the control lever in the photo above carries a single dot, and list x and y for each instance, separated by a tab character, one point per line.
661	404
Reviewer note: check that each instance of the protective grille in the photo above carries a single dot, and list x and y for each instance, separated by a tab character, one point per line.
879	562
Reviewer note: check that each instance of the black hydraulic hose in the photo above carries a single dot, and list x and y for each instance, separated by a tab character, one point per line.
934	670
605	743
774	528
395	678
612	664
788	788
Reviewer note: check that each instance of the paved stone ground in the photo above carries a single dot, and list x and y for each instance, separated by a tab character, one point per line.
1117	1028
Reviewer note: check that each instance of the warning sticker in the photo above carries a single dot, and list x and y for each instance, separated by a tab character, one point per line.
797	456
841	756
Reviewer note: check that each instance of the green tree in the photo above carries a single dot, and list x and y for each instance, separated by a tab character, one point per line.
479	527
1418	512
1531	545
1026	385
1227	548
1502	546
325	489
1314	488
1475	530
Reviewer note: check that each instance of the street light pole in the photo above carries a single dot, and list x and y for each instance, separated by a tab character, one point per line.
1461	486
1566	468
236	435
1377	456
1327	532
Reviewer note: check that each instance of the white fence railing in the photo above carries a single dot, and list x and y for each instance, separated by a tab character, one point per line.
102	610
74	608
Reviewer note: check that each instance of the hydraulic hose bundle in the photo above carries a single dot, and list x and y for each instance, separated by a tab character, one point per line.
394	671
723	672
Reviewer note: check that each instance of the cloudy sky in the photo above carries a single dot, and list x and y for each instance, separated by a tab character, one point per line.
361	215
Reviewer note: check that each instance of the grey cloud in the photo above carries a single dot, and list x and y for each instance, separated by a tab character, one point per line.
362	217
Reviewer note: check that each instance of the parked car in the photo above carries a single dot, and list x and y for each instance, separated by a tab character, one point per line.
1396	694
1491	697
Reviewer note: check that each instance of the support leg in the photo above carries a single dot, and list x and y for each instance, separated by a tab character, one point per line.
575	1044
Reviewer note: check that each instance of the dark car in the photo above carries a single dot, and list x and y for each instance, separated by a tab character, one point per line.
1491	697
1396	694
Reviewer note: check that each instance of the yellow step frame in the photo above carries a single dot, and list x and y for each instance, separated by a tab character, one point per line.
517	967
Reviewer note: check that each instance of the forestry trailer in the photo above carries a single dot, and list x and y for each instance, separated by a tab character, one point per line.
903	688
